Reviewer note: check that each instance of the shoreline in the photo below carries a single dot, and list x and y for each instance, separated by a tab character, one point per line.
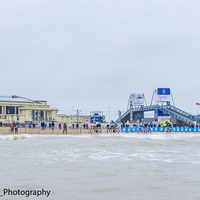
6	131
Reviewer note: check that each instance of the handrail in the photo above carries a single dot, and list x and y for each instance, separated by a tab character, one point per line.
175	112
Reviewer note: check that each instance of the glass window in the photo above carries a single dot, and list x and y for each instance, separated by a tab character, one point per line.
0	109
10	110
17	110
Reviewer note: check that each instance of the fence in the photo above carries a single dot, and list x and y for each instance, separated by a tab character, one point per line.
160	129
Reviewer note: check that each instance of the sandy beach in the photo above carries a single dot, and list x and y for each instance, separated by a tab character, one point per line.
6	131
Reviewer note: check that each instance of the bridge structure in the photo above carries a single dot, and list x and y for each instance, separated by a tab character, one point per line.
168	109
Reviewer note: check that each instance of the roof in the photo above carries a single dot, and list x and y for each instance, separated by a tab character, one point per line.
16	99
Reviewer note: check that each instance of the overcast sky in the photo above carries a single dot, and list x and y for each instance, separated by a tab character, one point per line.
91	54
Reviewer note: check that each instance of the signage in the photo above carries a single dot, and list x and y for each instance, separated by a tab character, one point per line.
160	129
162	95
136	99
97	119
160	116
96	116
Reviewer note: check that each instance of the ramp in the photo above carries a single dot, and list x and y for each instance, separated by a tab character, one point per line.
169	109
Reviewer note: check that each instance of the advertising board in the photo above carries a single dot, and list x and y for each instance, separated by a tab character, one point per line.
136	99
160	116
96	116
160	129
96	119
162	95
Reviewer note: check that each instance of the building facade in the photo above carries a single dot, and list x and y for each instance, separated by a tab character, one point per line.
15	108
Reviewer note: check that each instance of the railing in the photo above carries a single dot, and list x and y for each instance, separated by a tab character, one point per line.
183	113
171	110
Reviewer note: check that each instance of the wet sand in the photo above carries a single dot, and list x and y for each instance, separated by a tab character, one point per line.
36	131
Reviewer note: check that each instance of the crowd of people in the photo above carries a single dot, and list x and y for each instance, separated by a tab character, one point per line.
14	126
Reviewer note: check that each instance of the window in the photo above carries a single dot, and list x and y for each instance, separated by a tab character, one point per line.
17	110
10	110
0	109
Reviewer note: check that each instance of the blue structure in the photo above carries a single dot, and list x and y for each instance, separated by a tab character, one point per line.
162	108
168	109
159	113
160	129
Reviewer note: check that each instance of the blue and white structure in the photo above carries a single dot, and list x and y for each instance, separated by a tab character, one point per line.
96	116
163	110
160	129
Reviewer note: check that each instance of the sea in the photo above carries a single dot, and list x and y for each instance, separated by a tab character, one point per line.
113	166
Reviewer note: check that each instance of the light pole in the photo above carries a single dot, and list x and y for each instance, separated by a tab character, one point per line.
8	116
108	114
72	114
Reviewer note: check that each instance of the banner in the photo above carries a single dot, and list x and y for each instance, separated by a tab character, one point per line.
163	119
160	116
162	95
160	129
137	99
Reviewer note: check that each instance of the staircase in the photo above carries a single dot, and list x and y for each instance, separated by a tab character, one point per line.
169	109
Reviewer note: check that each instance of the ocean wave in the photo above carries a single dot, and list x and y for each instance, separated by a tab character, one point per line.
14	137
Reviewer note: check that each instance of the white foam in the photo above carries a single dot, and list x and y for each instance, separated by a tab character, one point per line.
14	137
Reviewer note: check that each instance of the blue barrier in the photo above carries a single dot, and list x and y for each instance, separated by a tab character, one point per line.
160	129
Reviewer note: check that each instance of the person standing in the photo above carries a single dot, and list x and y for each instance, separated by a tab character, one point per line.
64	128
53	124
12	128
16	128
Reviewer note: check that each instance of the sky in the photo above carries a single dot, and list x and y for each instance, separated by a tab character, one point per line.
90	55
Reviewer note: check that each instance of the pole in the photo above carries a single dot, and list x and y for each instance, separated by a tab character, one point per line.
128	104
78	111
119	115
77	116
145	101
72	114
172	98
108	114
152	98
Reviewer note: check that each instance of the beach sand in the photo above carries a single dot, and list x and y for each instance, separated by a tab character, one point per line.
6	131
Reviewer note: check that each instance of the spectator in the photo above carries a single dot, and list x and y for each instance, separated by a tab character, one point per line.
12	128
49	125
64	128
53	124
16	128
77	125
0	124
59	125
73	126
29	125
42	126
84	126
